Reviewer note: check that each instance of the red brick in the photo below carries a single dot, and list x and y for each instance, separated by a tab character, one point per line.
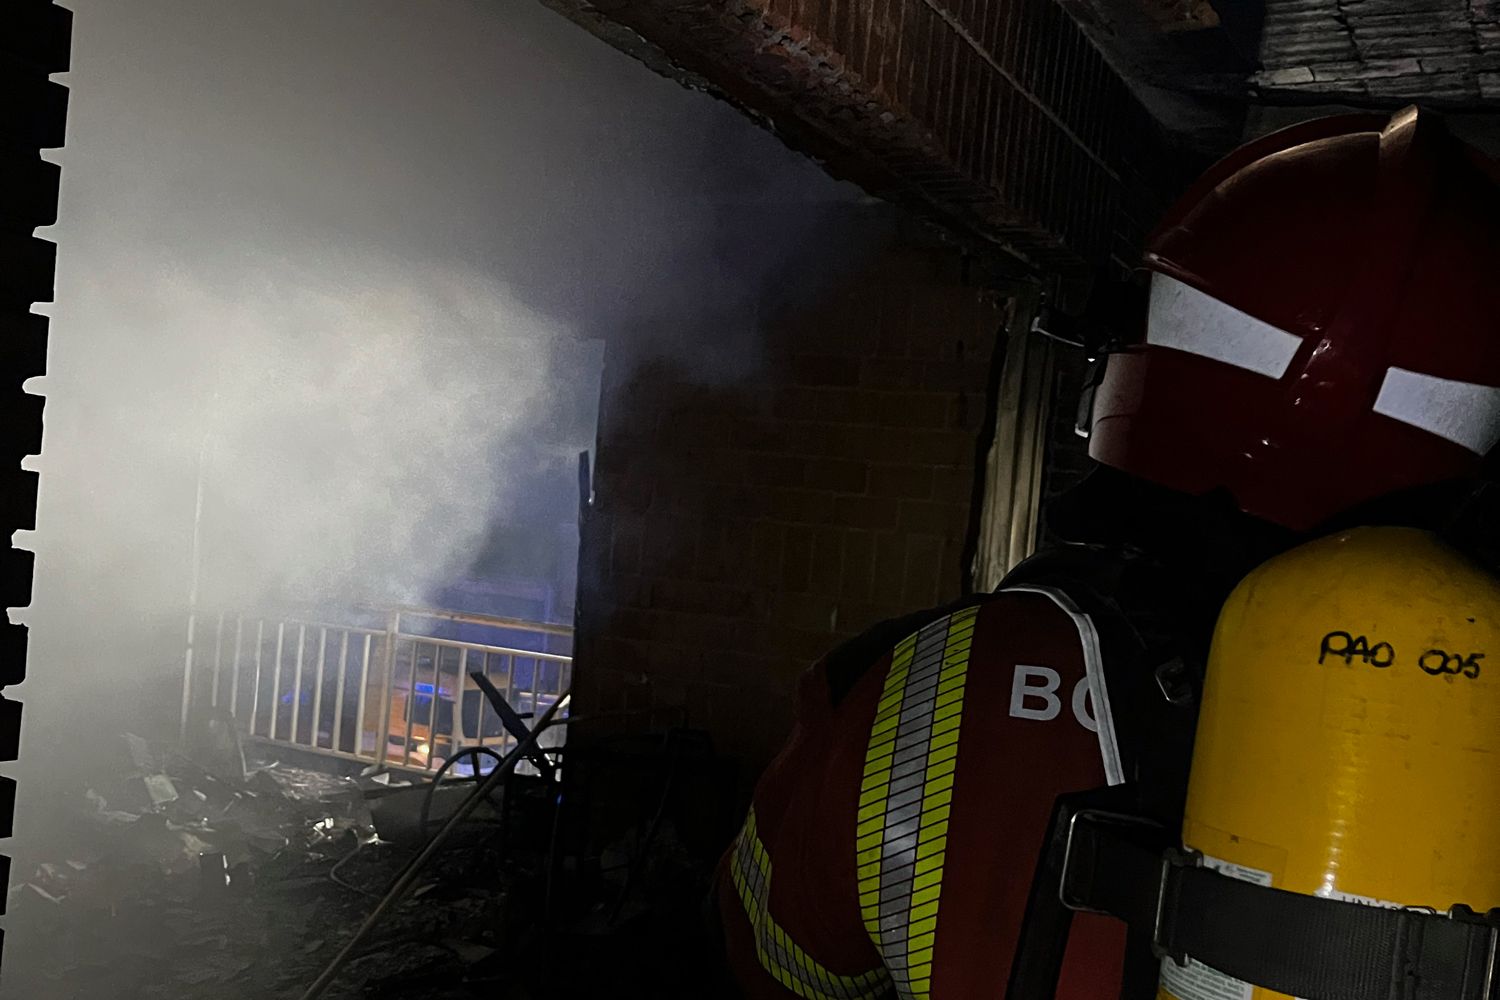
795	403
754	725
889	581
924	565
702	701
858	616
620	655
955	375
868	513
755	638
890	373
836	475
808	645
630	591
850	406
759	435
854	443
914	409
682	494
705	427
633	624
630	404
943	447
624	493
954	573
717	562
803	612
921	518
954	484
593	557
796	562
670	661
669	546
774	470
713	465
669	693
802	506
859	565
703	598
826	574
604	689
896	336
826	370
703	632
767	543
966	412
625	546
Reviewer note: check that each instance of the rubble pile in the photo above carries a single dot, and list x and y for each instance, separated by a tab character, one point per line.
185	880
207	878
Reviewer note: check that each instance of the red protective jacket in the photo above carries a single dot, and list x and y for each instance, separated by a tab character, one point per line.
891	845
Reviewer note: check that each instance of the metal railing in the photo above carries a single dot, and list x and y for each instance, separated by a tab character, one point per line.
399	695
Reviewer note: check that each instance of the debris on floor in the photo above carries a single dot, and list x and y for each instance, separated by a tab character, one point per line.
229	879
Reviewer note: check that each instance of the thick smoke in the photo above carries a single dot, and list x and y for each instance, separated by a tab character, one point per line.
348	266
346	424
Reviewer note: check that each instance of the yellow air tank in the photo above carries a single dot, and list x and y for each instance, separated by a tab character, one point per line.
1349	739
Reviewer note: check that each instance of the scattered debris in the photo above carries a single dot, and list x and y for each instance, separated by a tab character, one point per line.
175	878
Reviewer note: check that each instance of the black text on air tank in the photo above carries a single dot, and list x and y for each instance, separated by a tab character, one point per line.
1349	648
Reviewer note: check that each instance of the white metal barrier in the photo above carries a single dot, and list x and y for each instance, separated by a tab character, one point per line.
401	695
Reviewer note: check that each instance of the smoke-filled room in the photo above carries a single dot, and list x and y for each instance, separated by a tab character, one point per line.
750	499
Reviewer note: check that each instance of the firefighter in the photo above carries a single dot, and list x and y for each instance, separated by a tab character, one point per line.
1319	354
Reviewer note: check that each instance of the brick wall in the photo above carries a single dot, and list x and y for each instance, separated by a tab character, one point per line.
740	531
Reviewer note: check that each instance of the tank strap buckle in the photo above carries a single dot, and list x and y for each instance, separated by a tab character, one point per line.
1110	862
1104	849
1484	939
1173	860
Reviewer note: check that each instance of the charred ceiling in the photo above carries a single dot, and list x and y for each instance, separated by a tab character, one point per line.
1187	62
1054	129
1001	121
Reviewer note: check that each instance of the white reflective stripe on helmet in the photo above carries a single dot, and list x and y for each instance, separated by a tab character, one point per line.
1186	319
1465	413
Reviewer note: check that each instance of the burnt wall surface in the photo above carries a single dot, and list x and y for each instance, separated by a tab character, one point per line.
35	40
738	532
1000	119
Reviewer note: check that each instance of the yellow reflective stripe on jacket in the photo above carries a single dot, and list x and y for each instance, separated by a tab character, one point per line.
902	830
779	955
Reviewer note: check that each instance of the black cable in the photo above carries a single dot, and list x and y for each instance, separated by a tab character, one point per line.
333	874
437	779
409	874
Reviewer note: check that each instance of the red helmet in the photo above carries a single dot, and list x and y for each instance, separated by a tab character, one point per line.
1324	325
